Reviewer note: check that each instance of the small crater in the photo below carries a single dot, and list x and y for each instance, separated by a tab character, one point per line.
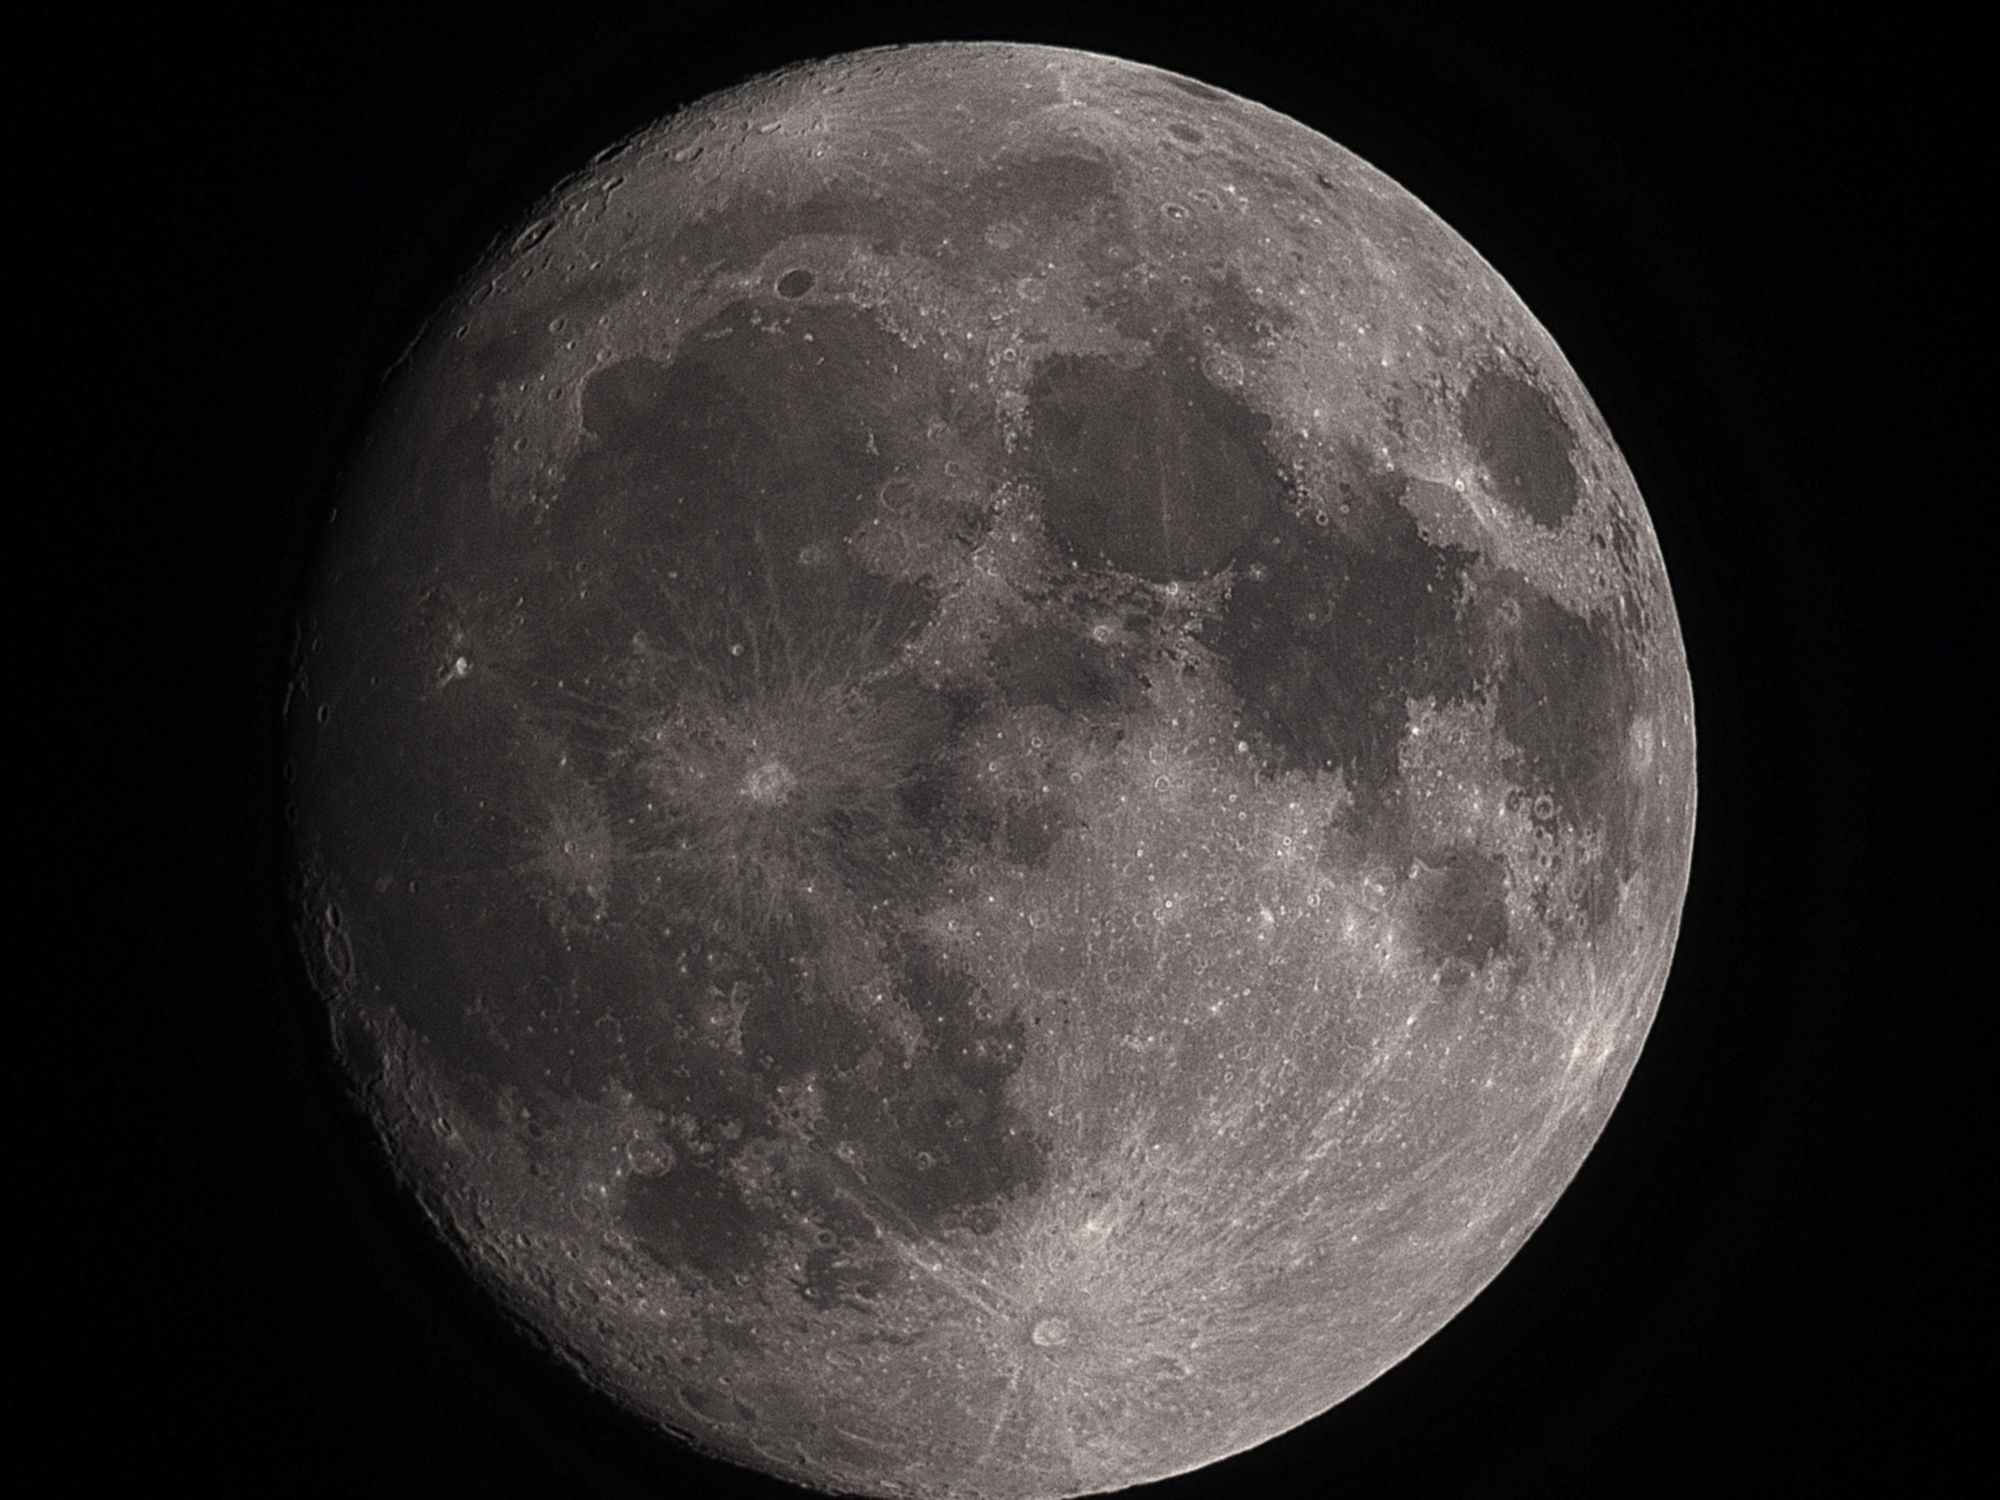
795	283
359	1048
1051	1333
706	1404
336	948
1222	368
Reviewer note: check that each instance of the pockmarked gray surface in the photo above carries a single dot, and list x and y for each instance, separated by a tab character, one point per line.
993	773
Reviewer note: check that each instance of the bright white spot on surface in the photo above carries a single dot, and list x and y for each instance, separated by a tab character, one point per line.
1050	1332
770	784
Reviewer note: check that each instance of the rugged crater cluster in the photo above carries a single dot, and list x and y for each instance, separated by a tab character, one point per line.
992	773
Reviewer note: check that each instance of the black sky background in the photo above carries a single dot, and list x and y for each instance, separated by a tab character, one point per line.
1749	241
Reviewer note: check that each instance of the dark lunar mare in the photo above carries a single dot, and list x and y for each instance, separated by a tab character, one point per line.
736	469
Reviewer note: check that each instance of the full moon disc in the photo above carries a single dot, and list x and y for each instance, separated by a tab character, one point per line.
993	773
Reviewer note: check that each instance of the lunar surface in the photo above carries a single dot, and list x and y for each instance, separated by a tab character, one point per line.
992	773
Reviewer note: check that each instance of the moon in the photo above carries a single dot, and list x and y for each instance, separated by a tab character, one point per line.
991	773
